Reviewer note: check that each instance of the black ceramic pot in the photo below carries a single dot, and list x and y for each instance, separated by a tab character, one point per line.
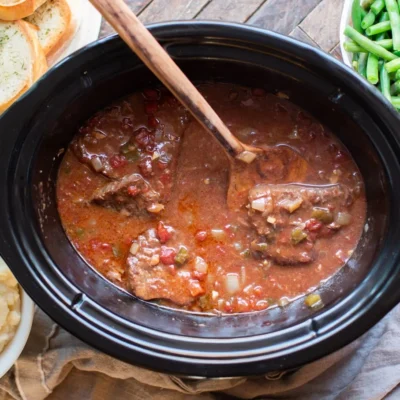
33	243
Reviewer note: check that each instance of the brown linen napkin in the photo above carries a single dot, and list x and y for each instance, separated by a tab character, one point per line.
56	366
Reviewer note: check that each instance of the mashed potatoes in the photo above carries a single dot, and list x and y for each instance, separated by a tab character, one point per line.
10	305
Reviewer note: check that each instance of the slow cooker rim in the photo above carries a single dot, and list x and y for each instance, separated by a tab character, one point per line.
191	24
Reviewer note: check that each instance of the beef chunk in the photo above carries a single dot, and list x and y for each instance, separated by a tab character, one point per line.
290	218
131	195
149	279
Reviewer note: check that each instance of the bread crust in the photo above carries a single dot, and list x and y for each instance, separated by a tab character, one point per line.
21	9
39	63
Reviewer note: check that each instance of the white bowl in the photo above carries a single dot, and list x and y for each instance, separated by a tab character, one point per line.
345	20
14	348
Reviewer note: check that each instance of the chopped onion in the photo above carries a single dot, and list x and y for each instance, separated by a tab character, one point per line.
155	259
134	248
232	283
155	208
291	205
271	220
214	294
155	155
246	156
258	204
218	234
96	164
200	265
343	218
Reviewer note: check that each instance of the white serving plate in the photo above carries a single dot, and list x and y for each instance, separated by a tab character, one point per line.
13	349
88	21
345	20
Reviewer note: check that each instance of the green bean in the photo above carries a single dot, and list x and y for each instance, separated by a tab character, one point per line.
393	9
368	44
397	76
384	35
397	53
368	20
352	47
395	88
377	6
393	66
385	82
356	15
362	64
355	65
373	68
378	28
366	3
396	102
385	43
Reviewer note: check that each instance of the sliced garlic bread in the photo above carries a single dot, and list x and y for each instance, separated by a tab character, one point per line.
11	10
22	60
55	26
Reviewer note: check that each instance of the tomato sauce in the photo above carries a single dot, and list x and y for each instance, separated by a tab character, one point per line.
142	195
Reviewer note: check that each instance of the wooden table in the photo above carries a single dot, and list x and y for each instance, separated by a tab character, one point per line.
312	21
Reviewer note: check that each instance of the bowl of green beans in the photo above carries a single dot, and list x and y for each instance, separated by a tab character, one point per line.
370	43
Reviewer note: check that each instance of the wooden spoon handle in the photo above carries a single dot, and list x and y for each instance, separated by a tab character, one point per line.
142	42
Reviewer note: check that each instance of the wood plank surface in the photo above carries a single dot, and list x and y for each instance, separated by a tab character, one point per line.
136	6
315	22
163	10
322	24
282	15
299	34
230	10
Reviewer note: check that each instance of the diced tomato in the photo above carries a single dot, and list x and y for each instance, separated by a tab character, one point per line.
133	190
258	291
258	92
118	161
146	166
151	107
313	225
105	246
201	236
163	233
151	94
96	244
228	307
152	121
167	255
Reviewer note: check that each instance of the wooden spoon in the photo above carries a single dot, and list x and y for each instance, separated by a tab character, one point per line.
146	47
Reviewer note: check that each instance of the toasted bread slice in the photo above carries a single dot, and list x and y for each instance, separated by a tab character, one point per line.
22	60
11	10
55	25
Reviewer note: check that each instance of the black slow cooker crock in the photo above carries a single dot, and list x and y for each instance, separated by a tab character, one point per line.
34	132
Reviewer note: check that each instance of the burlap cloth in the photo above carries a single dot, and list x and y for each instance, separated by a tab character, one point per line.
57	366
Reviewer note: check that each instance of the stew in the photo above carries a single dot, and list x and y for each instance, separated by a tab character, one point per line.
142	195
